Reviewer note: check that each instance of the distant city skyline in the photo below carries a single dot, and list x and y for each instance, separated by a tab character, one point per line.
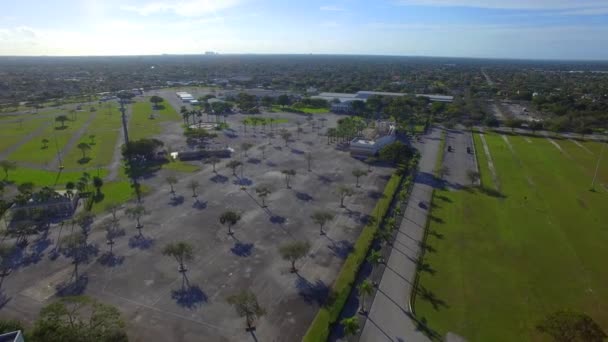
519	29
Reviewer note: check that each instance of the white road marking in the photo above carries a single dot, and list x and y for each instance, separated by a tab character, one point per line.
486	150
581	145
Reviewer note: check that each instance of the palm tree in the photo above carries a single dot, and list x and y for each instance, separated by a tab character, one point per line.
181	251
7	166
358	173
136	213
83	147
213	160
45	143
172	180
246	305
344	192
366	288
351	325
263	191
245	147
370	161
309	160
234	164
375	259
321	218
193	185
229	218
294	251
288	174
263	149
74	246
62	119
112	232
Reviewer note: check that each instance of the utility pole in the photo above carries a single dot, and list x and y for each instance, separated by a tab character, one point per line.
124	121
58	151
597	166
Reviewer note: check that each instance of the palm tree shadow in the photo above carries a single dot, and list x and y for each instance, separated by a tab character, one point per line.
199	205
141	242
242	249
302	196
189	296
110	259
312	293
277	219
341	249
72	287
176	200
221	179
432	298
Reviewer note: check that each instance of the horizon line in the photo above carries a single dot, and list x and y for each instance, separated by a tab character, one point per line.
217	54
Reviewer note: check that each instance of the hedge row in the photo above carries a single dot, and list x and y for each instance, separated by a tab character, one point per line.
327	315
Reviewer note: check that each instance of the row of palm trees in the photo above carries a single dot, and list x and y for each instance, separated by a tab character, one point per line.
351	325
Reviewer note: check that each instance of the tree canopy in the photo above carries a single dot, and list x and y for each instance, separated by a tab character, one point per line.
79	319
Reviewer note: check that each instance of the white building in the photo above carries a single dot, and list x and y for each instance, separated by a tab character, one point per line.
375	140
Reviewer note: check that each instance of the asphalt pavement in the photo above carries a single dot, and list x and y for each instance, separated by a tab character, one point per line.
459	160
390	317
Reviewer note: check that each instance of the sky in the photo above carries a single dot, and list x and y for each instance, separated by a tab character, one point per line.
528	29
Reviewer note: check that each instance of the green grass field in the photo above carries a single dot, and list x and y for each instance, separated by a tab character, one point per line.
106	127
46	178
500	264
33	151
140	124
308	110
13	131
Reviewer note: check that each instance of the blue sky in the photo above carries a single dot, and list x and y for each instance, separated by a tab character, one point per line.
554	29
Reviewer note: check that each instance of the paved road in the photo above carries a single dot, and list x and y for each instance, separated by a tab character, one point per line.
390	317
459	161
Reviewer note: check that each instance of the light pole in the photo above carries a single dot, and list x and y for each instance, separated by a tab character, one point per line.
597	166
124	121
57	149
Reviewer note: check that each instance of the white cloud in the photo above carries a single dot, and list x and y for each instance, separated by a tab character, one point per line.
332	8
188	8
581	6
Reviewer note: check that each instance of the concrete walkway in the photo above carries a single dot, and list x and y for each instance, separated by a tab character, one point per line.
390	318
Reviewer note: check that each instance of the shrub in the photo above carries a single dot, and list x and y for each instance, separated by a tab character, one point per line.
329	314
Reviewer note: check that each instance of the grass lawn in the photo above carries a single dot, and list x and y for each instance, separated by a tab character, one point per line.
308	110
116	193
500	264
33	151
251	120
46	178
12	132
142	126
178	165
106	127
